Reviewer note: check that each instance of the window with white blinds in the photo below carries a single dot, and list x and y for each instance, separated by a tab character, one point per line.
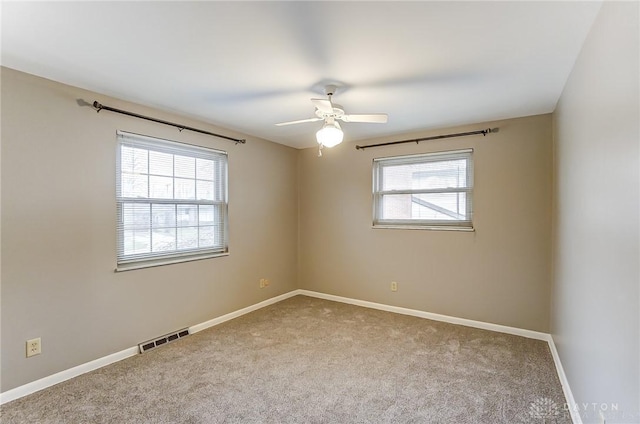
432	191
172	201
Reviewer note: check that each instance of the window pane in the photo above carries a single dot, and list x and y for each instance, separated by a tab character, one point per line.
136	216
396	206
136	241
446	174
185	189
187	238
187	215
160	163
204	169
206	215
428	175
133	160
207	236
134	185
205	190
185	167
163	239
163	216
441	206
436	206
161	187
396	177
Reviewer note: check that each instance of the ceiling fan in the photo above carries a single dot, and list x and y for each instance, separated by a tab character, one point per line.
331	134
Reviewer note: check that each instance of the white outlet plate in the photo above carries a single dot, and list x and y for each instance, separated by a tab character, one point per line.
394	286
34	347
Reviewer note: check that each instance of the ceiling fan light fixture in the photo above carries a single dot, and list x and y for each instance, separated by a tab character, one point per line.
330	135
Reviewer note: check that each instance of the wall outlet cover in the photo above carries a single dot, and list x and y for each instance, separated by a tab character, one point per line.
34	347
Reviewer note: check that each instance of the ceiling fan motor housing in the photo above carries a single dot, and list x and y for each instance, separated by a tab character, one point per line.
329	112
338	111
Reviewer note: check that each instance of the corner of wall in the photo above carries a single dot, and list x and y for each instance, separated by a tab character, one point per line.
298	223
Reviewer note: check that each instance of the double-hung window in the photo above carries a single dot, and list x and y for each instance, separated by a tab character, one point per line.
432	191
171	202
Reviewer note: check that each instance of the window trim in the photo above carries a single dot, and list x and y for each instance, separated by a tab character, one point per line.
422	224
138	261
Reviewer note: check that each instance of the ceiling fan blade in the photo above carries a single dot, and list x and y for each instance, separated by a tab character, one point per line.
298	122
323	105
376	118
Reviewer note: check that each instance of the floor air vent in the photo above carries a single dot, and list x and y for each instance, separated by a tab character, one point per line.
167	338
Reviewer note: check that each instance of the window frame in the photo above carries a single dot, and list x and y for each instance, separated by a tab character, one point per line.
220	185
423	224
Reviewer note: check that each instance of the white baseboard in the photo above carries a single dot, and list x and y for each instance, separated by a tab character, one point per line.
240	312
428	315
61	376
571	402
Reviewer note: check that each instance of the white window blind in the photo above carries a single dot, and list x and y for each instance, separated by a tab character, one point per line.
171	200
424	191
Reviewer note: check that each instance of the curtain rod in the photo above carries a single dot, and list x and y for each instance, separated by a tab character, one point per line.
100	107
435	137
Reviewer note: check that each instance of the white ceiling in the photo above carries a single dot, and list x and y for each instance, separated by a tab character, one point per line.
248	65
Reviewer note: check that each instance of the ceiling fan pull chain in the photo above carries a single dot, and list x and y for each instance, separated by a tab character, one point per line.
320	146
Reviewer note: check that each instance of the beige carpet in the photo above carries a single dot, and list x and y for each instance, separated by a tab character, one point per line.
306	360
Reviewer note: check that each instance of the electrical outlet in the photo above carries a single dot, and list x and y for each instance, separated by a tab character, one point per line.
34	347
394	286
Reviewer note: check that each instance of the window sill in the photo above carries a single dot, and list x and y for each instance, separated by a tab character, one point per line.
423	227
168	261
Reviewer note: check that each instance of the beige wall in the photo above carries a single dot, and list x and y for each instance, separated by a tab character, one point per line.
596	305
58	238
500	273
